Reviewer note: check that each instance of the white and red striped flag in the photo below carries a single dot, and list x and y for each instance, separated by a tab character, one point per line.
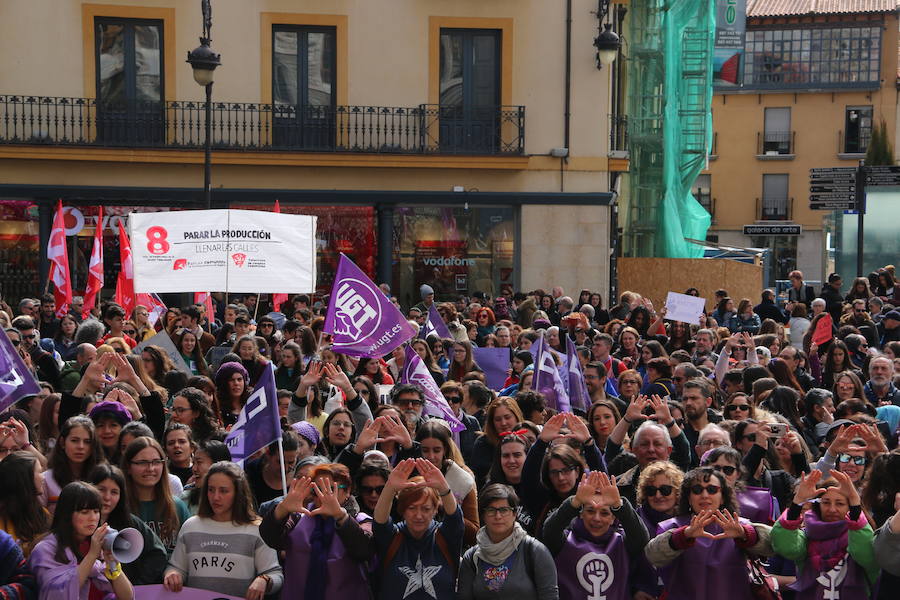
95	270
205	298
59	263
125	283
155	307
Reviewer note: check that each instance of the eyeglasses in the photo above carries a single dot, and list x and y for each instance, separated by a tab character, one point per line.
713	443
346	424
146	464
665	490
629	382
697	489
453	399
560	472
16	342
409	402
30	337
740	407
727	469
267	325
367	489
180	410
857	460
503	511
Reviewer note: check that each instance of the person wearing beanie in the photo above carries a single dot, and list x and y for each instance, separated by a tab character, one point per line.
309	439
427	294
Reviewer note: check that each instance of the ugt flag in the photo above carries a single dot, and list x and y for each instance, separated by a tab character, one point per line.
258	424
546	378
16	381
415	372
434	324
578	393
361	319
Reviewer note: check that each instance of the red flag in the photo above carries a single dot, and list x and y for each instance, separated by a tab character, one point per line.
125	282
205	298
278	299
824	330
154	304
95	270
59	263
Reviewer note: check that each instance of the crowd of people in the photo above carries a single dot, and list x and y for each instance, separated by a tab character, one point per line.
750	455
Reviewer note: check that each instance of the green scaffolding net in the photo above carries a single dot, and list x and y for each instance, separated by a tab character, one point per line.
670	125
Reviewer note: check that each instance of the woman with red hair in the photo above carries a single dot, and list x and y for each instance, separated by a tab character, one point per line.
487	324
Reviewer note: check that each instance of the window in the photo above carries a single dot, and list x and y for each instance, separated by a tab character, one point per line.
303	86
821	57
775	198
470	90
702	191
129	67
777	134
858	129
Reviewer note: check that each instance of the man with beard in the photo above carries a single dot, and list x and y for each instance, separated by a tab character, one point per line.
880	389
697	401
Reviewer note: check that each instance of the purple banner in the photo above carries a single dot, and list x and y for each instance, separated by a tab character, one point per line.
16	381
361	319
578	393
546	378
258	424
415	372
494	362
434	324
159	592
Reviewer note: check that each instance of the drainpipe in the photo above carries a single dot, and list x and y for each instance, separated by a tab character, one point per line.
567	109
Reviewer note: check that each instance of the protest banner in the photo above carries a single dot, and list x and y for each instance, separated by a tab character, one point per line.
242	251
494	362
159	592
360	318
16	381
415	372
163	341
684	308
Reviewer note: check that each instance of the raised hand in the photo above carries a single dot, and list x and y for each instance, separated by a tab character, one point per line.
843	438
730	524
94	375
336	377
326	495
586	490
806	487
432	475
696	529
552	427
661	410
298	493
126	400
872	437
369	436
791	441
399	477
578	430
96	549
607	488
17	430
846	487
312	376
396	431
635	410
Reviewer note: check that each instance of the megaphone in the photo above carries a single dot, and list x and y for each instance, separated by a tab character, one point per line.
126	545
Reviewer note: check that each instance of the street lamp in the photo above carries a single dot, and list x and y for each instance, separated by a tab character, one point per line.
204	61
607	45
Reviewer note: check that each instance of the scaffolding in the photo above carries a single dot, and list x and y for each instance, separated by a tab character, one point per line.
670	124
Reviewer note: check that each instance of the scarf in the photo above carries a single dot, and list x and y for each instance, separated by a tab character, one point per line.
320	547
581	531
828	541
497	553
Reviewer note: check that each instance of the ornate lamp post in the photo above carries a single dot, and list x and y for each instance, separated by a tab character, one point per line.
204	61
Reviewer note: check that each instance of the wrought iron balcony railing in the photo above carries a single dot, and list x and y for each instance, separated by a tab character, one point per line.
423	129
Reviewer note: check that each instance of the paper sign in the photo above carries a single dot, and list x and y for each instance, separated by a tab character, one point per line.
684	308
384	392
159	592
494	362
163	340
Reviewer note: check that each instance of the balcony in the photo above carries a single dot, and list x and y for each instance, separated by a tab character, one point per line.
774	208
775	145
426	129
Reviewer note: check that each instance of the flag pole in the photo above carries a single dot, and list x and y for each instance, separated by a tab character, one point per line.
281	460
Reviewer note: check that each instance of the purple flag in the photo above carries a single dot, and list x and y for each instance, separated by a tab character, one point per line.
494	362
16	381
434	324
546	378
578	392
258	425
361	318
415	372
159	592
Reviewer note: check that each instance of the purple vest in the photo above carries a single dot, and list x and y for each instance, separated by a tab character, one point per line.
709	570
593	568
346	578
757	505
646	577
829	572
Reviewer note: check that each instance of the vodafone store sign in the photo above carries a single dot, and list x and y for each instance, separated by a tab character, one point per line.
243	251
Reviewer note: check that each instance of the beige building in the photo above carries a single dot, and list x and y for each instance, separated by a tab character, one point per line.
420	131
817	76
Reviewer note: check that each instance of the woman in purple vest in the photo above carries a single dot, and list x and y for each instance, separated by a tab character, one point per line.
593	557
326	544
657	496
506	563
757	504
832	544
702	553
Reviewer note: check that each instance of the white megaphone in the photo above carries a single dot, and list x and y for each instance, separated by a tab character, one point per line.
126	545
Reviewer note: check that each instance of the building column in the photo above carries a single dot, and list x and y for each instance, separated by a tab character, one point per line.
385	244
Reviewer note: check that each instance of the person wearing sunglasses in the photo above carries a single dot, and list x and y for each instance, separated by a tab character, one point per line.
326	542
756	503
658	490
738	407
702	553
831	544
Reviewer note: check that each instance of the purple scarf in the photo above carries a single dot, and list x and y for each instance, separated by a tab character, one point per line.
320	546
